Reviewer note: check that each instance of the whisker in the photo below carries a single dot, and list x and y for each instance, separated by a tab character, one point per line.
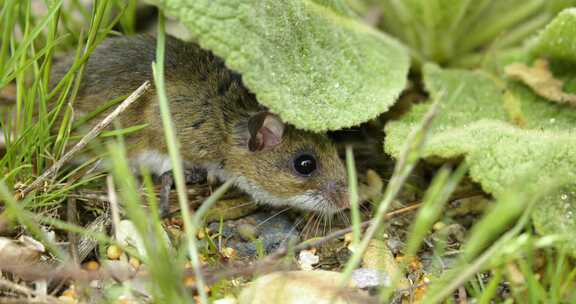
307	226
365	210
317	226
273	216
240	206
323	224
344	218
295	225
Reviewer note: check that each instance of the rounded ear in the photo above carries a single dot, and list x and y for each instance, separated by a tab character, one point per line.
266	130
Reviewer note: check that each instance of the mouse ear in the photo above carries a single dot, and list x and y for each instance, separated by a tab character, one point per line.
266	130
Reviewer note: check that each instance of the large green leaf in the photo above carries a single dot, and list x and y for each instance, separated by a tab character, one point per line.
556	213
503	131
558	40
311	62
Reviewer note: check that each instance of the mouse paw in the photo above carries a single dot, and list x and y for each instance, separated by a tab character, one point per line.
195	175
191	176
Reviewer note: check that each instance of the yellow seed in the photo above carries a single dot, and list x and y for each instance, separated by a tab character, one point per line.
201	235
91	265
134	262
438	226
69	293
189	281
114	252
229	252
348	238
67	300
124	300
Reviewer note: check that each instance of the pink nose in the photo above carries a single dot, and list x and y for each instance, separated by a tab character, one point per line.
338	194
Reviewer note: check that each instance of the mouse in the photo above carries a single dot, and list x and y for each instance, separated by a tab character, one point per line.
222	129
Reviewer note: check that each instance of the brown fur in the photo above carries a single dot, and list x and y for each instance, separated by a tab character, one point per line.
210	110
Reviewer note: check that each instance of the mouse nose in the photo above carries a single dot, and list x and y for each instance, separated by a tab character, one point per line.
337	192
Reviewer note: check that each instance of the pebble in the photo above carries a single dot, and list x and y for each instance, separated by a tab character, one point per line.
379	257
308	258
299	287
370	278
272	232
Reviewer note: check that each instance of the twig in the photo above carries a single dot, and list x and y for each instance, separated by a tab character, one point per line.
72	217
73	272
274	257
20	194
20	300
114	207
341	232
28	292
86	244
85	140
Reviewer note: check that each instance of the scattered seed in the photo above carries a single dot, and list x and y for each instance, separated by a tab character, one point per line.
91	265
134	262
113	252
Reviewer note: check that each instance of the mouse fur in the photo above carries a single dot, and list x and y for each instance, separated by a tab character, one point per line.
220	125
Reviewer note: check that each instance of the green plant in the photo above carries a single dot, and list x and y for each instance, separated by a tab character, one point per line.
320	67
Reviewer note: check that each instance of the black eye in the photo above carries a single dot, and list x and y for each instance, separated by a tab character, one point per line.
305	164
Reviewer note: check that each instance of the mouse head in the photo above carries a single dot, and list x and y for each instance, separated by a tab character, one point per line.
280	165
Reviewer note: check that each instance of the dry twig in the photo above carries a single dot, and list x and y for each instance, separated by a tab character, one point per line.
85	140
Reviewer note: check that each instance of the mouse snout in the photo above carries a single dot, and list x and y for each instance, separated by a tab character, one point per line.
337	192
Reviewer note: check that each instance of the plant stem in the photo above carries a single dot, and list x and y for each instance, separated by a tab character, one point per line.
176	160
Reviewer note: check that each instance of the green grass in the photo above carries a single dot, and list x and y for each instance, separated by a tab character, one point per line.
498	244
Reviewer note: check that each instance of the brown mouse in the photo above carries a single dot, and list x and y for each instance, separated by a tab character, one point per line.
222	129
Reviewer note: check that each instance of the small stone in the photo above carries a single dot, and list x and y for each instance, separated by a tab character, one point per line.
370	278
300	287
274	231
248	232
307	258
378	256
113	252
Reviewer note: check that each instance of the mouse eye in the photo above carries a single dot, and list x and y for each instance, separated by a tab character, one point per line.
305	164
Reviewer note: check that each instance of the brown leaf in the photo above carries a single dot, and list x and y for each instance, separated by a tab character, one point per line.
541	81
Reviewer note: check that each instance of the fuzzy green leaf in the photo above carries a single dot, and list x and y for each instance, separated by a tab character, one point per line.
480	122
557	214
558	40
505	133
311	62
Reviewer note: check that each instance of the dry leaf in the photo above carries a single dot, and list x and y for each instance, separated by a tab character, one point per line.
24	251
541	81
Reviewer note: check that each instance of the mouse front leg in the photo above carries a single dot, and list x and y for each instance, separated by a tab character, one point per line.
191	176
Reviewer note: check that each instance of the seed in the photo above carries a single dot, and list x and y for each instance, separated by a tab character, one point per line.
114	252
91	265
134	262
